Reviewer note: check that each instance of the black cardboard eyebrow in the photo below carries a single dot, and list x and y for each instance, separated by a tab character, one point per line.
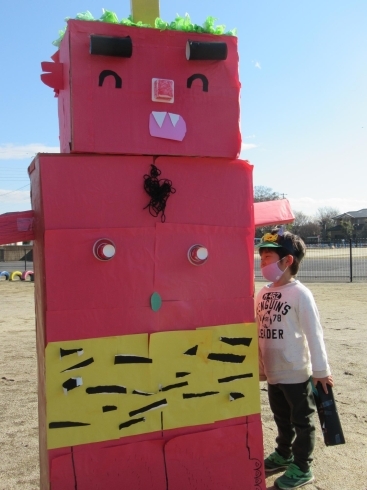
196	50
121	47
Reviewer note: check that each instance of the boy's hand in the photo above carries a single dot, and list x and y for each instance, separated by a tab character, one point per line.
324	382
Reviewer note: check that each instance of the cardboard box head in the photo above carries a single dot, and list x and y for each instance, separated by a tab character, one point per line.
131	90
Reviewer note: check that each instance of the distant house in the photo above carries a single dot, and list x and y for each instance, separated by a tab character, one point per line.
358	219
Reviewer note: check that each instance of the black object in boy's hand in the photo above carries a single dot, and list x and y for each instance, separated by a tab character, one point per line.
328	415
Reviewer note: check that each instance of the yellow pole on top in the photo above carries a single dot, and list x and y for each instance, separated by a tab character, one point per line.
145	11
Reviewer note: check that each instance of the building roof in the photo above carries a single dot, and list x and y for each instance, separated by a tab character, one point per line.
341	228
362	213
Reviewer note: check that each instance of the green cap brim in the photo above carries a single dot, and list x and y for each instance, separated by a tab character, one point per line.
269	245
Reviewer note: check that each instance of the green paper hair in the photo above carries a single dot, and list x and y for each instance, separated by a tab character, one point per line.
179	24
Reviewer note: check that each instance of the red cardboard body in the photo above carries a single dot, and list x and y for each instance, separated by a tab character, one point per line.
205	459
108	202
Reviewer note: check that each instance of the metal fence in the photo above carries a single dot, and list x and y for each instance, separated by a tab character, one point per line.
15	258
337	261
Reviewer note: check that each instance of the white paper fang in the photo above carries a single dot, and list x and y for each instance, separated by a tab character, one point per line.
174	118
159	117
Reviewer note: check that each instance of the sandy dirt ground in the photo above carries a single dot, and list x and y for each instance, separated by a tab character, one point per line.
343	309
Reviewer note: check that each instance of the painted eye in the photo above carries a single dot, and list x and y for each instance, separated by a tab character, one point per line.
107	73
201	77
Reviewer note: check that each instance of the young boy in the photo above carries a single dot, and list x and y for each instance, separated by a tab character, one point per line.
291	350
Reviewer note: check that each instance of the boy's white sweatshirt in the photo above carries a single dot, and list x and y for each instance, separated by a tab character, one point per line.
291	343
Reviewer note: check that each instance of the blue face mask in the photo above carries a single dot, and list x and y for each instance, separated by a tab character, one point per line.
272	272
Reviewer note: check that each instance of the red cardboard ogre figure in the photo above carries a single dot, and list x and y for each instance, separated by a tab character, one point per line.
143	253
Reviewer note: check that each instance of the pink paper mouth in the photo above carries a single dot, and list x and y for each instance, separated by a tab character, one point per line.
167	125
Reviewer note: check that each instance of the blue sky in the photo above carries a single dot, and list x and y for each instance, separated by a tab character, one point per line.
303	71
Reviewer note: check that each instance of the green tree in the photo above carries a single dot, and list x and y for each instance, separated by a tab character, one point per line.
262	193
347	229
304	226
325	217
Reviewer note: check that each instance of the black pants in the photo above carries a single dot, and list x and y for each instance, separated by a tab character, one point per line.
293	407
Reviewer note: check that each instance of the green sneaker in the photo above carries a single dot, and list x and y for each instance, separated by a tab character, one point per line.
276	462
293	478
